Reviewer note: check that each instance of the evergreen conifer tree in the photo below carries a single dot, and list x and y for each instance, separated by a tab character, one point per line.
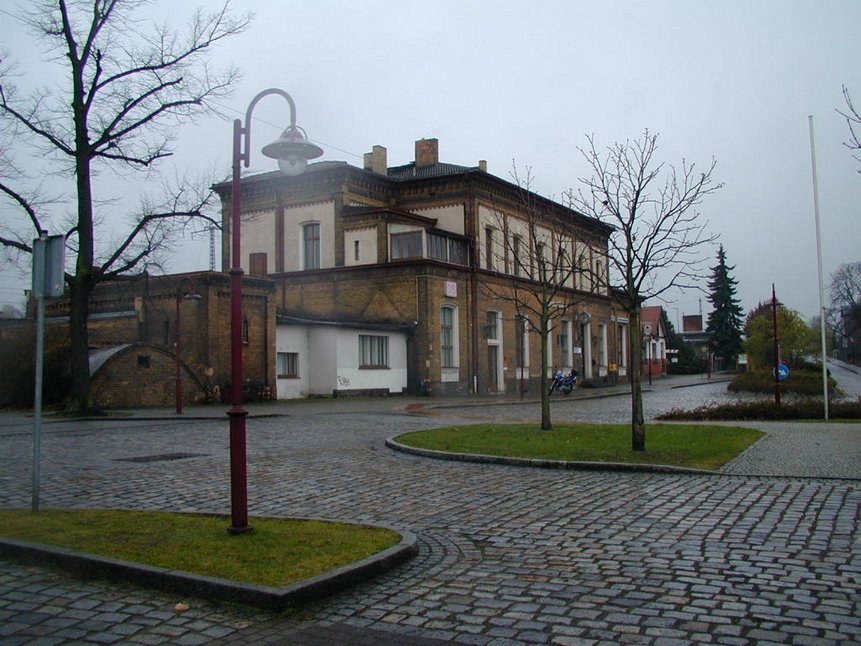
725	322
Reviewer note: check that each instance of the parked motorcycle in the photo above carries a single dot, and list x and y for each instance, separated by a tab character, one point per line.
564	383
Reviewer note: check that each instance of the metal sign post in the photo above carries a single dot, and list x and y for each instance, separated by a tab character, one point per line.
48	281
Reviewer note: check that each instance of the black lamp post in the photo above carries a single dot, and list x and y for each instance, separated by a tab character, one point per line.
292	150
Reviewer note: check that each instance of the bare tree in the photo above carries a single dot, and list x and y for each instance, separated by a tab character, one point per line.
853	121
538	246
127	88
845	312
659	233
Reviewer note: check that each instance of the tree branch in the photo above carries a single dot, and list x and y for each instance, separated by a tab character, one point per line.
24	203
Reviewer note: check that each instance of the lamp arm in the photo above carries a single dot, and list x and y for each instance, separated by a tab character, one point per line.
245	154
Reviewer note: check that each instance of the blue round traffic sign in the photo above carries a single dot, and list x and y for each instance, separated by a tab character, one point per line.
782	371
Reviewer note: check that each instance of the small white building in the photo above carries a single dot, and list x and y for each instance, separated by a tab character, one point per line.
325	358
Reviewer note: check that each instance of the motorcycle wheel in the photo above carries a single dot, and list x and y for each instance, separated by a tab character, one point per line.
552	388
566	390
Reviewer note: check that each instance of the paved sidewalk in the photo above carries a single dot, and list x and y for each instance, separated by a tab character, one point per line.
506	555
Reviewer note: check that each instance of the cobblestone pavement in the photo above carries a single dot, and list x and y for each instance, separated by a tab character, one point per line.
507	555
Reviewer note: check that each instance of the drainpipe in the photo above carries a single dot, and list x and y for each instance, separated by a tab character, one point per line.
473	290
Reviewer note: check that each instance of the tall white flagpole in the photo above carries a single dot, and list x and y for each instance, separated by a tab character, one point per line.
819	268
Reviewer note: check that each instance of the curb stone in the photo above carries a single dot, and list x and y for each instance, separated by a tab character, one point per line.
481	458
85	565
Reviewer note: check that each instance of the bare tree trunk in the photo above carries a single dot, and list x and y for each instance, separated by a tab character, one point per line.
638	425
82	283
546	424
80	352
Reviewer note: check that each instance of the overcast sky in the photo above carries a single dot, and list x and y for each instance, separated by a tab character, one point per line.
733	80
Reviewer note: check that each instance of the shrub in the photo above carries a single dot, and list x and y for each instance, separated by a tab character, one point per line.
801	382
767	410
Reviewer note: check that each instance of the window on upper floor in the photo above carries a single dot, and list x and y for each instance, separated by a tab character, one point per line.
458	251
600	275
258	264
491	329
311	245
543	267
437	247
446	249
406	245
489	252
517	255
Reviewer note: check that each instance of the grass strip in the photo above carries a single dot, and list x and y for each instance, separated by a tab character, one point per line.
683	445
277	553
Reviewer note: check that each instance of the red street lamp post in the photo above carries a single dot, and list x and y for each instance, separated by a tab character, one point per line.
292	150
190	295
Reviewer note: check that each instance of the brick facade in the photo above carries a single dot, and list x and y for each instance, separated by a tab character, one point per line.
402	248
141	313
142	375
366	279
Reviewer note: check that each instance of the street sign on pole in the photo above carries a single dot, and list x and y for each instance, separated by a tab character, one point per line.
782	371
49	256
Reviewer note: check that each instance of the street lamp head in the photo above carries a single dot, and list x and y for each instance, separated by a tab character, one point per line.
292	150
191	294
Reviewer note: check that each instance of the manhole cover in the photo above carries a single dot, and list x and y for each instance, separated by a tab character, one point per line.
162	457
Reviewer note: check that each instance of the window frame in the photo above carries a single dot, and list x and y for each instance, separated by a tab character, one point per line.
438	247
489	250
406	245
517	254
448	337
458	252
311	246
491	326
287	374
373	352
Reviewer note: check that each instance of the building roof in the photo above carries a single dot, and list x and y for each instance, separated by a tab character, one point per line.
652	316
440	169
413	172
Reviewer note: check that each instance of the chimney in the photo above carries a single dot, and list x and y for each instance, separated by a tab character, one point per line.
427	152
376	161
482	165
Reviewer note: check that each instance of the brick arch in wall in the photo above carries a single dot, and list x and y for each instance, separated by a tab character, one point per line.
140	375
